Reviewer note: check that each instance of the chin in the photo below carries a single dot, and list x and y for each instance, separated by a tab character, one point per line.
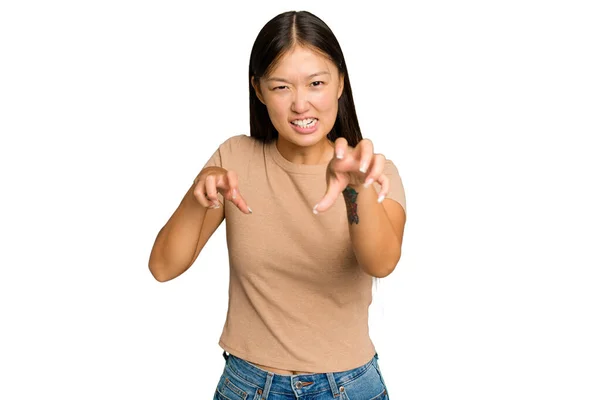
307	140
304	140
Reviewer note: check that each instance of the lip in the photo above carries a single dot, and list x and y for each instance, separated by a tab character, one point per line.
305	117
305	131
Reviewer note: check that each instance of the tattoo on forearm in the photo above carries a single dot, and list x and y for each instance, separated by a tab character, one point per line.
350	196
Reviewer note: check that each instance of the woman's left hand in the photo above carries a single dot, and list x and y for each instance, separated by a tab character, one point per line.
354	167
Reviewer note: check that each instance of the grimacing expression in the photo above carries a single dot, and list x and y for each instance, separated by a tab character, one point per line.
303	86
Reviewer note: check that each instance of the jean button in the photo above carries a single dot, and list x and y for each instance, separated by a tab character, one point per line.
298	385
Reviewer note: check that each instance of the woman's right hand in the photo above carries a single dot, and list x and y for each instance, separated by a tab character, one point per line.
216	179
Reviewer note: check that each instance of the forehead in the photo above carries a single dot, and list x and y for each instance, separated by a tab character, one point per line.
301	61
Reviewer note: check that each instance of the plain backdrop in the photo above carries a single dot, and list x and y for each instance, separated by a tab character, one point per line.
108	110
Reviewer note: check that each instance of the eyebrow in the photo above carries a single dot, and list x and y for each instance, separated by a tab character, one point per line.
274	78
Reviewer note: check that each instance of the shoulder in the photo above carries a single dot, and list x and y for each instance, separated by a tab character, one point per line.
396	188
240	152
390	168
239	142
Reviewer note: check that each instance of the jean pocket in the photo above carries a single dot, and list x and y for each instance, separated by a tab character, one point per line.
379	372
228	390
367	386
382	396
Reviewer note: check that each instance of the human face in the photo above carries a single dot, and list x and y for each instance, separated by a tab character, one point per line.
301	95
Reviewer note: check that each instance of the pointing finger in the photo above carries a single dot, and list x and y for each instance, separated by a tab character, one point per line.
331	195
385	187
377	166
341	148
241	204
200	194
210	188
233	193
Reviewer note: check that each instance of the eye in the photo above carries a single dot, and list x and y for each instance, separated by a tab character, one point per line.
317	83
279	87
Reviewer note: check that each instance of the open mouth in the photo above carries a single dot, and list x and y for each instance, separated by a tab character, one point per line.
305	123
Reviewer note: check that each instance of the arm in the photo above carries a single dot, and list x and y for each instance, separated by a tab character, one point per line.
376	229
180	241
183	237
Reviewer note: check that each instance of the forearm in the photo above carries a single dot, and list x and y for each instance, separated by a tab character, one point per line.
176	243
375	244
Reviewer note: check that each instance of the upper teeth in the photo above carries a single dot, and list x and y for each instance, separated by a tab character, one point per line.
304	122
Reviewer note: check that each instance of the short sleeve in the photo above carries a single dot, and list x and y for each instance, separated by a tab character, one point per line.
396	191
229	154
215	159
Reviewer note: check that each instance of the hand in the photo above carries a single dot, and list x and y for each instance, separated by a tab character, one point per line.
353	167
216	179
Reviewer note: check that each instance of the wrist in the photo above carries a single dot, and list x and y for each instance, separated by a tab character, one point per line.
352	191
358	187
350	198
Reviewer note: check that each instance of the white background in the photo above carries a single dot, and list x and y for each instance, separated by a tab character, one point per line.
109	109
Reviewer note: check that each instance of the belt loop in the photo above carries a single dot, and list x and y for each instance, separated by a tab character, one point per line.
268	383
225	356
333	384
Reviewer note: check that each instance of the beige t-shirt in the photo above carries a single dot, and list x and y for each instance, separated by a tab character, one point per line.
298	300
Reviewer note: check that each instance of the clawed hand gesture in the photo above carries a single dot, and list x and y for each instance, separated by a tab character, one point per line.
213	180
353	167
350	167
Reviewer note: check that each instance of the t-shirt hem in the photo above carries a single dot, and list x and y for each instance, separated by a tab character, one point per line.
287	367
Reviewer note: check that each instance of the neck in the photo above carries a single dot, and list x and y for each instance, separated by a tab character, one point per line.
319	153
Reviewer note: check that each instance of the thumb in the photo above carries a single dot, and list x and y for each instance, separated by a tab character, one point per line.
334	188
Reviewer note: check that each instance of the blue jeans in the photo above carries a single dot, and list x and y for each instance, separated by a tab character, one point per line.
244	381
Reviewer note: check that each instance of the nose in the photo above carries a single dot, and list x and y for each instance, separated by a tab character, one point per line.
300	102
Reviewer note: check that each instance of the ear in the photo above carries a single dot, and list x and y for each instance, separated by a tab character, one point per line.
341	86
256	86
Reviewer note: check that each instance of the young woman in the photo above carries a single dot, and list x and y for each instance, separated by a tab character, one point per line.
312	215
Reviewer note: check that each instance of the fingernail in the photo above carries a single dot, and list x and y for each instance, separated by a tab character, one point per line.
315	209
214	206
249	209
368	182
340	154
380	199
233	194
363	168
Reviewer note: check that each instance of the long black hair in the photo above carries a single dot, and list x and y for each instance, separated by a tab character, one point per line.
277	37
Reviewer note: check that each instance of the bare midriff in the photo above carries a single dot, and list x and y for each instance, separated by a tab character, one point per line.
281	371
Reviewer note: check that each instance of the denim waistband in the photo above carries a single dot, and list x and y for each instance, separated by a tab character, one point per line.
293	384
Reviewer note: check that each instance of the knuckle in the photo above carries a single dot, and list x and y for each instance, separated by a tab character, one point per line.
199	199
198	190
